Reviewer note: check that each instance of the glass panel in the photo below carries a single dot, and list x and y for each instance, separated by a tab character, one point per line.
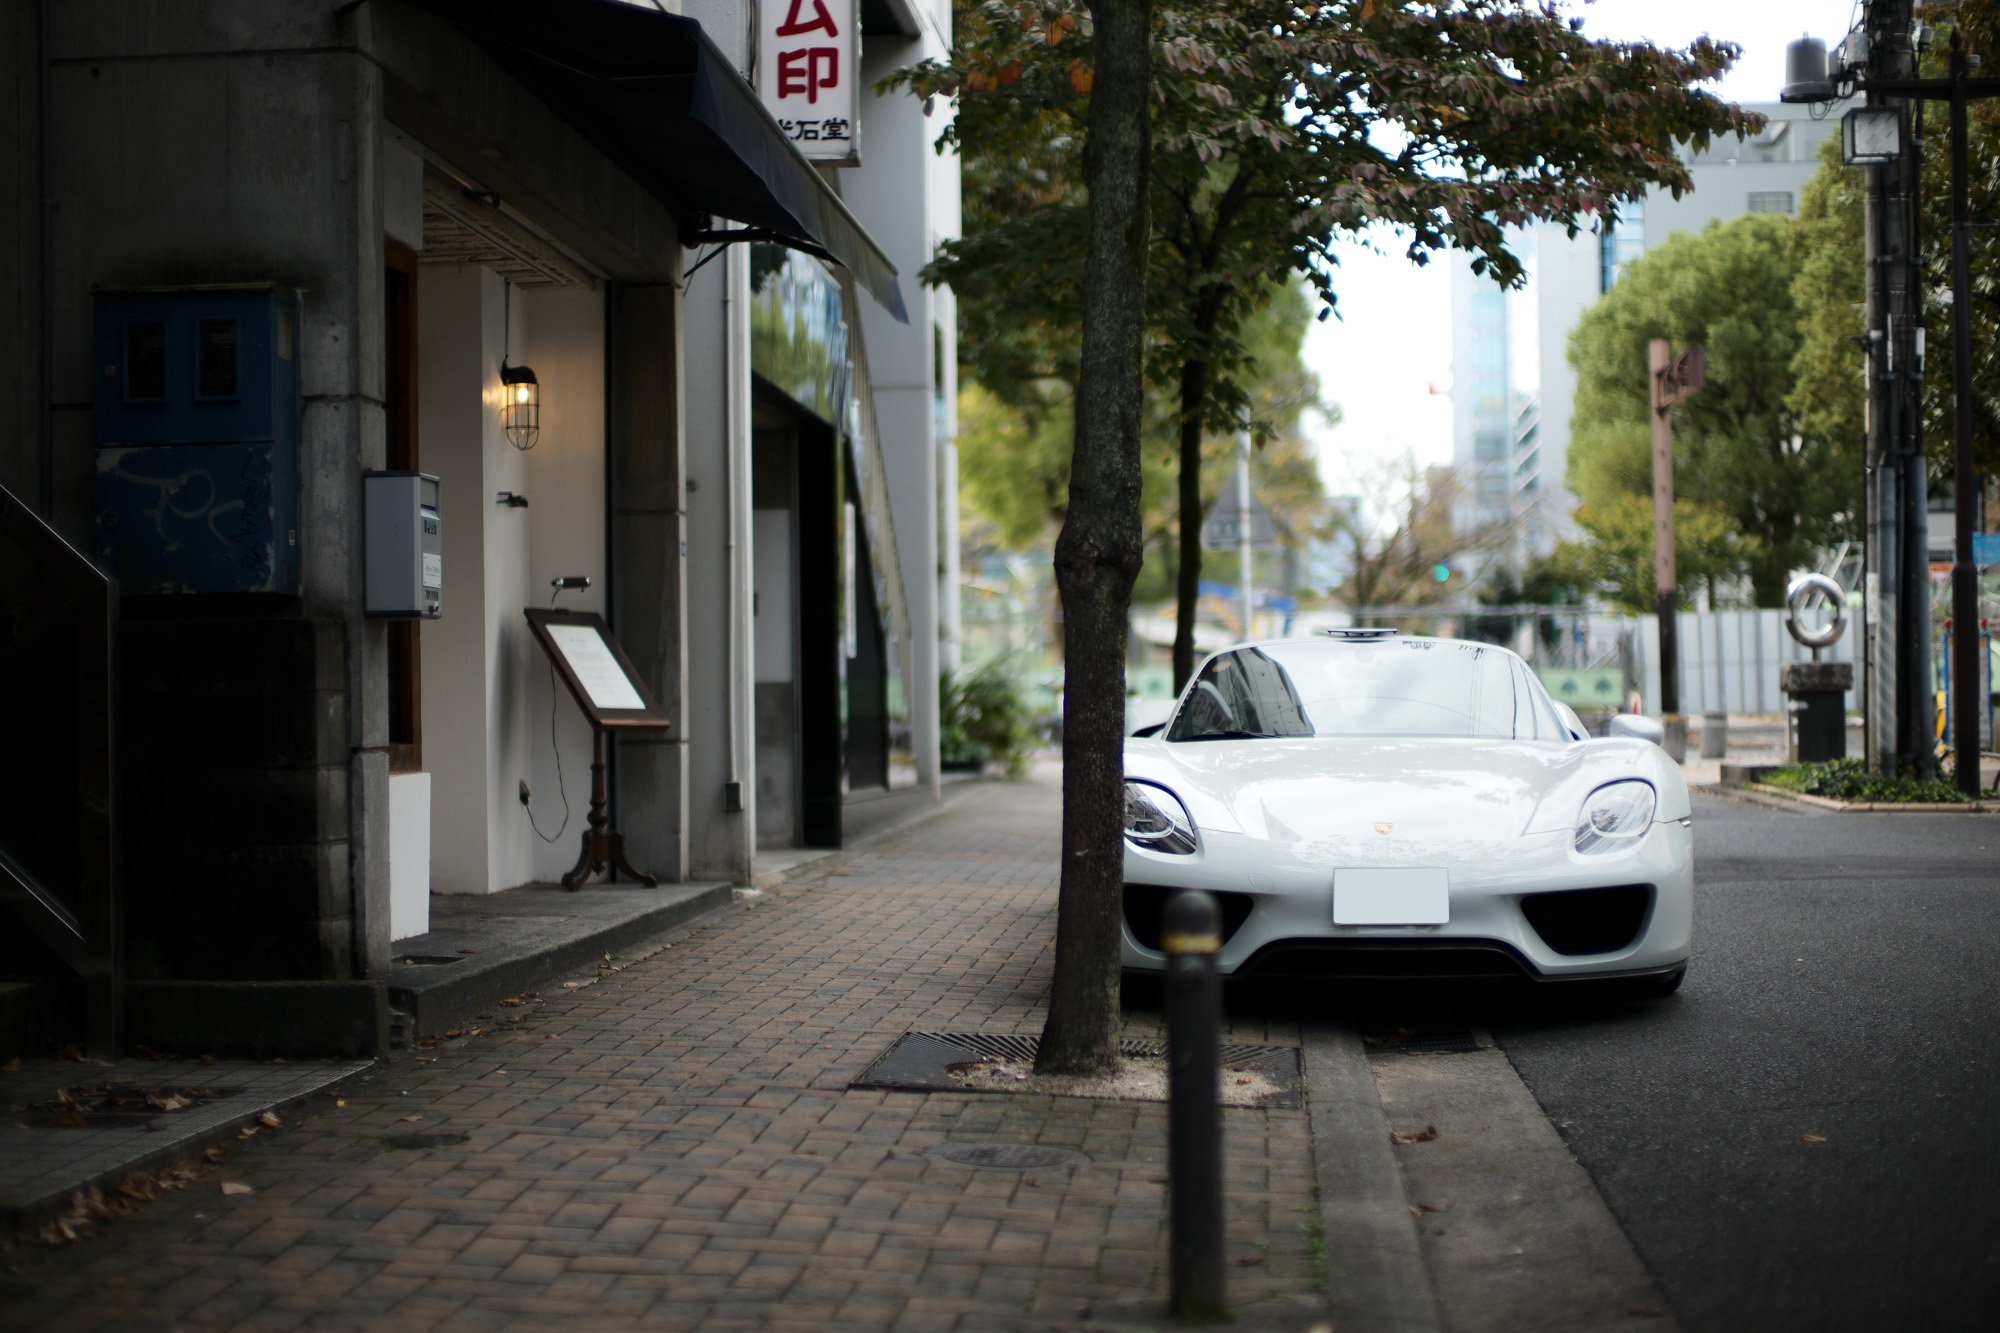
217	359
146	360
1243	693
1398	687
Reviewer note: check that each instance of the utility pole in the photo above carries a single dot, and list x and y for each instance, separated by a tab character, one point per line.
1969	703
1880	57
1243	521
1670	379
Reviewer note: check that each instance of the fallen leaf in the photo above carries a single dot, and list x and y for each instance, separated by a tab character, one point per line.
1812	1138
248	1130
268	1120
279	1060
1428	1133
236	1187
571	985
340	1101
411	1117
510	1004
1250	1261
212	1154
208	1059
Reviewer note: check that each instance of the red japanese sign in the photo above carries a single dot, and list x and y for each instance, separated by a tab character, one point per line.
808	63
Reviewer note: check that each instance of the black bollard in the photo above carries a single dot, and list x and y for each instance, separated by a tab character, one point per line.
1191	935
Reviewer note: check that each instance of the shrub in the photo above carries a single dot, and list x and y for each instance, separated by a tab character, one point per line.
1850	780
984	721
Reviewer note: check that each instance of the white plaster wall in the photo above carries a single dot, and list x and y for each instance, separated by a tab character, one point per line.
907	198
474	655
409	854
565	489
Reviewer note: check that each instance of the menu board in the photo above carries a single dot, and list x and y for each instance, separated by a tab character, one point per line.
599	675
589	657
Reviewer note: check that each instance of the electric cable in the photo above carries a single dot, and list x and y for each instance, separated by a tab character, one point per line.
555	703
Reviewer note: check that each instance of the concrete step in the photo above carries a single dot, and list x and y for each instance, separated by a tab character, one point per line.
483	948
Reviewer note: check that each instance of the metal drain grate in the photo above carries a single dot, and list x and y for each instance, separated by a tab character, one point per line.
921	1061
1404	1042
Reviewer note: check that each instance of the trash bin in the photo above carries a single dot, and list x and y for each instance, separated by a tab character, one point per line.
1816	718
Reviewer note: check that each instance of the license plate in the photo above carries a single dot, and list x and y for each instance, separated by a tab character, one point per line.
1399	897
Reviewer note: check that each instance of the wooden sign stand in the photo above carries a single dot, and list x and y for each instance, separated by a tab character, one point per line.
611	694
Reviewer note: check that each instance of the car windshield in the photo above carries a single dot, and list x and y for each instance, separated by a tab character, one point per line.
1389	687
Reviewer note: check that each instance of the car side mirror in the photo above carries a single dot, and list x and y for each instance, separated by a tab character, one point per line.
1637	726
1570	720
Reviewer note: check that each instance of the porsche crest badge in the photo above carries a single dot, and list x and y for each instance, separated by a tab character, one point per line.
1385	827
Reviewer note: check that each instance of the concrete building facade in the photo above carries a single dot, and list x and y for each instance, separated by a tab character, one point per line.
423	198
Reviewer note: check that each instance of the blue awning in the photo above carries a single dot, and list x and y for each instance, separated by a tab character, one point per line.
652	91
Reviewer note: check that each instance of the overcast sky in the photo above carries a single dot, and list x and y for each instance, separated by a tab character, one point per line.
1390	348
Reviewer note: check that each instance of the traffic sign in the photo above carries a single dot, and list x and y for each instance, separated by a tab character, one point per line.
1221	532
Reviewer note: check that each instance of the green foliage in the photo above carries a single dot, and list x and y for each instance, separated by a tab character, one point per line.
1616	558
1978	22
1277	127
1850	780
1829	372
1014	452
1739	449
984	720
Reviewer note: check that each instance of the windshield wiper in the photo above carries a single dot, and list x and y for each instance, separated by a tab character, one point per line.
1236	736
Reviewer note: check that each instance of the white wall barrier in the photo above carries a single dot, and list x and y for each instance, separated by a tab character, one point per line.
1729	660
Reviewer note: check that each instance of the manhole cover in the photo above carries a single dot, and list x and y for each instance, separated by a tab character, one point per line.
1009	1156
426	1140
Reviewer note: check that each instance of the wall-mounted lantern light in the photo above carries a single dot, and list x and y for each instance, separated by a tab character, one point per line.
521	405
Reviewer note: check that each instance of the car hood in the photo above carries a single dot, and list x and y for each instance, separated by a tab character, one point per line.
1327	795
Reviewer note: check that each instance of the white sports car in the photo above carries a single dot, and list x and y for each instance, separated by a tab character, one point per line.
1371	805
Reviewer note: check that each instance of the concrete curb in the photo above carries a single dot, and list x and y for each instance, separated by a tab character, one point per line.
1779	796
169	1139
435	1000
1376	1279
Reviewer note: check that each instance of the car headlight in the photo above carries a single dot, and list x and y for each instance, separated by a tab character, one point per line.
1614	817
1156	820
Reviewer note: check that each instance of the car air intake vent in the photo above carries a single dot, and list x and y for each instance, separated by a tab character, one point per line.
1145	902
1582	921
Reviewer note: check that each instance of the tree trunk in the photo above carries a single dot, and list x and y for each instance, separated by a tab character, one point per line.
1194	391
1102	544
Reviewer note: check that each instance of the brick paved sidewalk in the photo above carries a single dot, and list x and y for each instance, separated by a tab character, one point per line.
674	1147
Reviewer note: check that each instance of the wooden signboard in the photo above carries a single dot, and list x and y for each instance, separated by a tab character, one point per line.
608	689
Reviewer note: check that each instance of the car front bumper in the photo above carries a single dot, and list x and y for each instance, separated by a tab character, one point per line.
1290	918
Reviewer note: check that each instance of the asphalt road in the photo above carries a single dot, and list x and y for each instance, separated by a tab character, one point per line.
1843	986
